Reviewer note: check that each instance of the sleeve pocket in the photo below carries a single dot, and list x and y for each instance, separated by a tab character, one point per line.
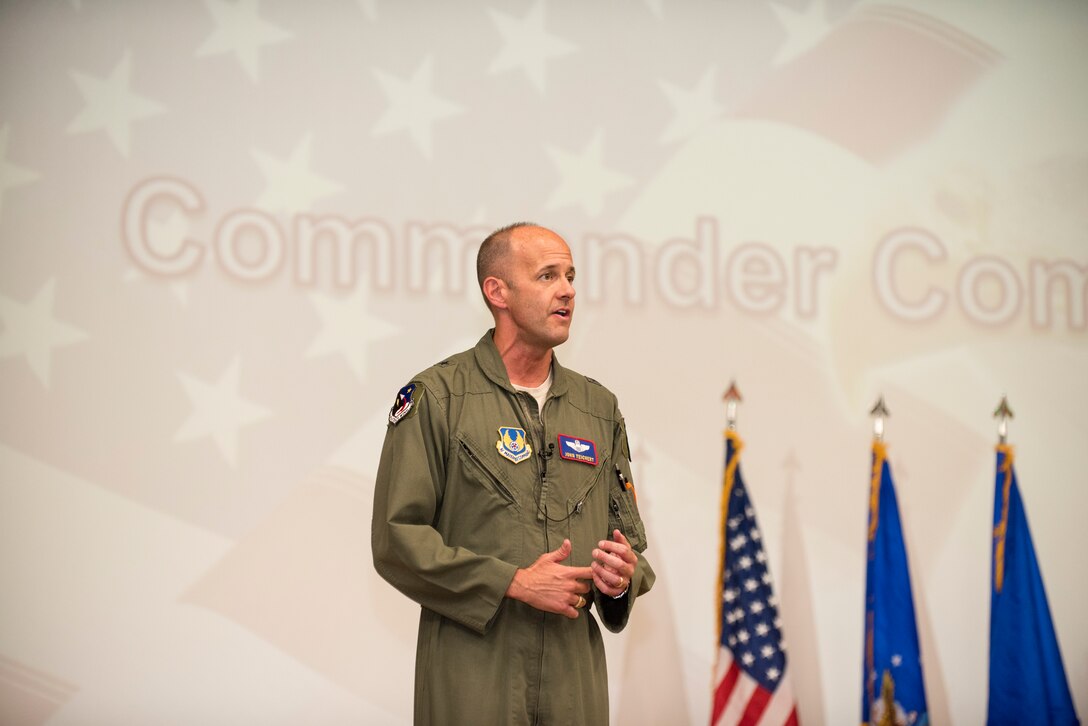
623	516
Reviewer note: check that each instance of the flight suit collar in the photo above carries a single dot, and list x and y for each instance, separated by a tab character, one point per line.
490	362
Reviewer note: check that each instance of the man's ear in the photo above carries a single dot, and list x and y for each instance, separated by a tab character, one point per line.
495	291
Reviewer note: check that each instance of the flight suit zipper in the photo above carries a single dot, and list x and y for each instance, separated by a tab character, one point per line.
534	428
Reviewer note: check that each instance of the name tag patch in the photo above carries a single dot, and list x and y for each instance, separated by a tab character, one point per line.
573	448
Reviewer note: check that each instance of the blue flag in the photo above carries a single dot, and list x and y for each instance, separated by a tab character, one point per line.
892	686
1027	679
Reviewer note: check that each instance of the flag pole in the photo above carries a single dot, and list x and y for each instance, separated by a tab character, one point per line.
1001	528
732	398
879	413
1003	413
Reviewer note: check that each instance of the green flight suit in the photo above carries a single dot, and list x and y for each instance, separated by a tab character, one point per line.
454	518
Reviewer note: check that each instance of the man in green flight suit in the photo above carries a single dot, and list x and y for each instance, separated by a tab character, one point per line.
504	507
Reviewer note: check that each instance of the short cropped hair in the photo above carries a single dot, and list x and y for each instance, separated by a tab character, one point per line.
493	251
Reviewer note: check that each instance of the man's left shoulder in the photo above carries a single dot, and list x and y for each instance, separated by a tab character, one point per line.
592	391
587	379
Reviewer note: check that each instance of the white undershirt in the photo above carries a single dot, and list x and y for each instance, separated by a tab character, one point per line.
540	393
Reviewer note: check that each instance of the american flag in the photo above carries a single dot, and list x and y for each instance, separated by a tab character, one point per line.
750	680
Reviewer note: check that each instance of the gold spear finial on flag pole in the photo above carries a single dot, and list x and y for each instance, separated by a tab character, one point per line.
1003	413
731	398
879	413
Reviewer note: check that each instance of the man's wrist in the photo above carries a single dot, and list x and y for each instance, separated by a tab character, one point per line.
515	590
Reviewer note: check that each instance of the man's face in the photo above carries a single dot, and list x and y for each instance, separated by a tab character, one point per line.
540	286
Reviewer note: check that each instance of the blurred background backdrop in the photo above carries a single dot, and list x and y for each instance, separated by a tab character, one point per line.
230	230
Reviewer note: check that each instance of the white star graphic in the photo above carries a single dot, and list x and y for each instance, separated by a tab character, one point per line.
360	452
31	331
240	31
691	110
773	673
218	411
347	329
413	106
111	105
584	179
290	186
10	175
370	7
803	29
526	45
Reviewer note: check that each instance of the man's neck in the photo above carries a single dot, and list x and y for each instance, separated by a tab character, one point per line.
528	372
525	365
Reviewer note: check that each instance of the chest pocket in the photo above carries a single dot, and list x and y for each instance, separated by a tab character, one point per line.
478	467
482	508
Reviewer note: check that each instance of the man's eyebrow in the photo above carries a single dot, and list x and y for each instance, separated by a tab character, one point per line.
553	267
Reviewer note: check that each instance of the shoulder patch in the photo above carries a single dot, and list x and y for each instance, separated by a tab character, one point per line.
403	404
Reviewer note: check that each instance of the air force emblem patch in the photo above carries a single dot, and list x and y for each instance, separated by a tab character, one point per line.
513	445
575	449
403	404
